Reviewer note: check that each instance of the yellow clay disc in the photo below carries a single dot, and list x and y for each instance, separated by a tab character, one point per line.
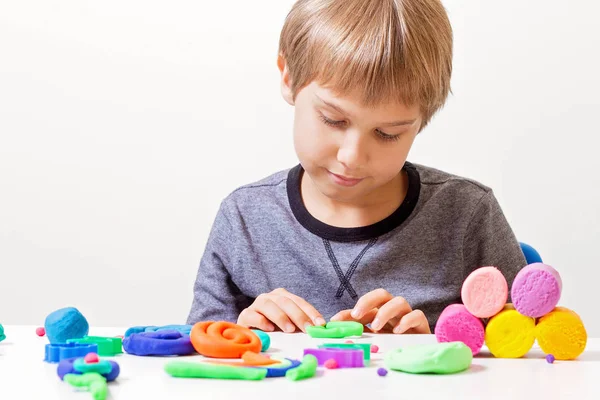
510	334
562	334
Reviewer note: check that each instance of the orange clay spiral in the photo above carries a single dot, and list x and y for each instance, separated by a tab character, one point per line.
223	339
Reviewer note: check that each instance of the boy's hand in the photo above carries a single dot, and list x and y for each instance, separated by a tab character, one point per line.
385	313
282	308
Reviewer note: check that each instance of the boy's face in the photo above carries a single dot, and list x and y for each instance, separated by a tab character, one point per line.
351	153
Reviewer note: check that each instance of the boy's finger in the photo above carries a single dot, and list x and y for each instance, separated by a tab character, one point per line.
415	321
294	312
343	315
274	313
315	317
252	319
396	307
369	301
346	316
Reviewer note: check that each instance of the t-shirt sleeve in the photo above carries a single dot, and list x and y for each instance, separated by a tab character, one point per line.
490	241
216	297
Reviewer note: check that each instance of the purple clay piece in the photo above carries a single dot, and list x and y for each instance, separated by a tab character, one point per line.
346	358
66	367
382	372
159	343
536	290
550	358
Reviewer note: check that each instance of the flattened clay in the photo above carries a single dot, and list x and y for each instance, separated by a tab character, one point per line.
439	358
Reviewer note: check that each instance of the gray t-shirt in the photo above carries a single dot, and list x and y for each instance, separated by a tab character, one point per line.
264	238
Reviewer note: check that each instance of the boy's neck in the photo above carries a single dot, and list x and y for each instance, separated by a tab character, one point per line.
370	209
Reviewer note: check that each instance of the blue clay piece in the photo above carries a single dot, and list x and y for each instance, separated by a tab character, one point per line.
531	254
66	323
67	366
275	372
54	353
2	335
185	329
160	343
265	339
114	373
134	329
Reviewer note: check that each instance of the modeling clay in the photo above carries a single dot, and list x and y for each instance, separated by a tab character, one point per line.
457	324
185	329
307	369
66	323
54	353
510	334
183	369
66	366
531	254
223	339
91	358
107	346
336	330
249	359
536	290
280	369
265	339
365	347
92	381
158	343
345	358
102	367
439	358
562	334
484	292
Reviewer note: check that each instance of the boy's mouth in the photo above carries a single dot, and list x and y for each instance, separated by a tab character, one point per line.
344	180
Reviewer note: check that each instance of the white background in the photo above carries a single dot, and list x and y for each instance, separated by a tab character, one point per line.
123	123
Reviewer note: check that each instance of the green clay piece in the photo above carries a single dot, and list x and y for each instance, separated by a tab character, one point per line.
107	346
2	335
182	369
365	347
336	330
101	367
92	381
439	358
306	370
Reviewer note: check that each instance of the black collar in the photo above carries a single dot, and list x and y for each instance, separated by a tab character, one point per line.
368	232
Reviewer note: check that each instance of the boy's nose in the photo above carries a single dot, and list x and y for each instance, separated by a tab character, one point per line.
352	152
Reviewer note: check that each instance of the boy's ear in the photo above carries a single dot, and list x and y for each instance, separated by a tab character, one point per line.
286	90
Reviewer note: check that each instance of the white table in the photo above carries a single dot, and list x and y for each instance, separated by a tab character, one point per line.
23	375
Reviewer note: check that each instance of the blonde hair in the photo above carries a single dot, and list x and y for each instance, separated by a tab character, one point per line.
383	50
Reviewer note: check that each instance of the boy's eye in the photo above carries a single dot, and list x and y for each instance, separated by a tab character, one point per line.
331	122
380	134
385	136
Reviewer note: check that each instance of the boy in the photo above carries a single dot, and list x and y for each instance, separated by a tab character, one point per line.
354	232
